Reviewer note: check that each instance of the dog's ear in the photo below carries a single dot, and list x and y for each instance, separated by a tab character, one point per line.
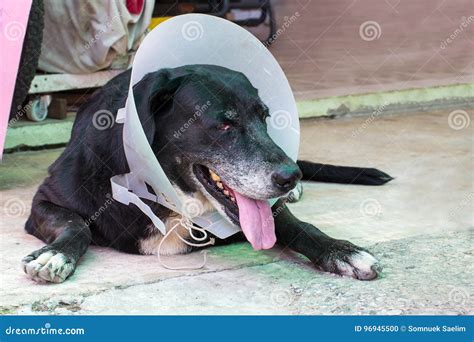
152	94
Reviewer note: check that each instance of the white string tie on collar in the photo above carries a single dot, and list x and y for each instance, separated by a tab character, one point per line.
189	225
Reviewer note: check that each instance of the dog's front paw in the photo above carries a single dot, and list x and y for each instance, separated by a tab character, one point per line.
345	259
48	265
295	194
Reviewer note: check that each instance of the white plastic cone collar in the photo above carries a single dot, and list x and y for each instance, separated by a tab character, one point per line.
199	39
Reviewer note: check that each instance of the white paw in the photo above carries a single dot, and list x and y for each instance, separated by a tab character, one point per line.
49	266
360	265
295	195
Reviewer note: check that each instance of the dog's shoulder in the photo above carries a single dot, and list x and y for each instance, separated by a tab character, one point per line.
94	152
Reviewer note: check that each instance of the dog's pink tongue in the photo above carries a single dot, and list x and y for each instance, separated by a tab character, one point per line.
256	221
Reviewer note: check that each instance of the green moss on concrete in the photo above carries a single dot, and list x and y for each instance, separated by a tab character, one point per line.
241	252
7	310
52	132
24	169
48	132
398	100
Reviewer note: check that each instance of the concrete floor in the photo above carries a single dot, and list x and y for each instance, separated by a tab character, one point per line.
420	227
325	52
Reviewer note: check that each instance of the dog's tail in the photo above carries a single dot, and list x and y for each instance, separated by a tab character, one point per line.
342	174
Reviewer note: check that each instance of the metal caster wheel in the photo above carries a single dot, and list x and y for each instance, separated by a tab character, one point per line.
37	110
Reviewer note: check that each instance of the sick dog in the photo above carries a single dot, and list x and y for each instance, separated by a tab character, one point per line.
225	159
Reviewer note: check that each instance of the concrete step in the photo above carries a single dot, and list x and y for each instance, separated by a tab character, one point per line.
23	134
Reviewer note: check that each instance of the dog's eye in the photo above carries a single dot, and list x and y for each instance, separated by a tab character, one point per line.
224	126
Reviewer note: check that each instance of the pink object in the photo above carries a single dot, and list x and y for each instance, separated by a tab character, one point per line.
256	221
13	23
134	6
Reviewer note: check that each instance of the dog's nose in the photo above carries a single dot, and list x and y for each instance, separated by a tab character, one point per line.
286	178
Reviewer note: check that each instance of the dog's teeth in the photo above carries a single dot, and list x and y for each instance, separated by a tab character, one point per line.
226	192
232	199
220	185
214	177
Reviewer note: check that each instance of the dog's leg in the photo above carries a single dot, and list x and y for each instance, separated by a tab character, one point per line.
67	236
327	254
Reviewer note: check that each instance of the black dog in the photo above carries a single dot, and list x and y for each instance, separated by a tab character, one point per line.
224	158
